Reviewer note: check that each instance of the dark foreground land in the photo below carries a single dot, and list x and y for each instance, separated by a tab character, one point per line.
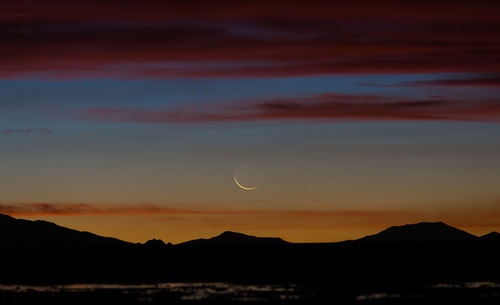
427	263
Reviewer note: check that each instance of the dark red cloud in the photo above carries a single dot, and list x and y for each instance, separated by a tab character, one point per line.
336	107
460	82
72	209
228	9
484	80
68	209
27	132
153	38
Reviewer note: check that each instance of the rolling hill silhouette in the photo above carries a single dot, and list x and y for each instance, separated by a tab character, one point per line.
156	243
25	233
19	232
43	252
493	236
420	232
234	238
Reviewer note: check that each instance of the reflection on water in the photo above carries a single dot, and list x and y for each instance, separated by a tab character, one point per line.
440	289
377	296
482	292
469	285
185	291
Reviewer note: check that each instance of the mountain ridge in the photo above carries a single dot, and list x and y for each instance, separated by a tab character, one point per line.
491	236
234	238
420	232
25	233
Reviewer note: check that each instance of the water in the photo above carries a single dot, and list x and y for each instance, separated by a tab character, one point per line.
150	293
482	292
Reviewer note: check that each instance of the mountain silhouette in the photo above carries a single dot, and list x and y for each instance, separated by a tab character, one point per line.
26	233
43	252
420	232
491	236
156	243
234	238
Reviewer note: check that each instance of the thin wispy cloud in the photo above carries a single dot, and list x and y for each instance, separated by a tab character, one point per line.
27	132
328	106
480	80
70	209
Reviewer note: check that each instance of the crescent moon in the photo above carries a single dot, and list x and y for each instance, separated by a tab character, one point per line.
244	187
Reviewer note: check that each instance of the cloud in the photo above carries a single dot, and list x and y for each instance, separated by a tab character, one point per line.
330	106
481	80
66	209
226	9
70	209
158	39
460	82
27	132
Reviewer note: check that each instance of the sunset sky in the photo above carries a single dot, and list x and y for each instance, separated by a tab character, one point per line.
131	118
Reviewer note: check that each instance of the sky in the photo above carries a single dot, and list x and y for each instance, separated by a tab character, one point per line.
132	118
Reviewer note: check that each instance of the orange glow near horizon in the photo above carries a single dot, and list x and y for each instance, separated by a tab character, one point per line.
141	223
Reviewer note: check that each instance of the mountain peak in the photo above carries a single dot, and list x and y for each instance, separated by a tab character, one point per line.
240	238
236	238
6	217
155	243
491	236
231	234
27	233
423	231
